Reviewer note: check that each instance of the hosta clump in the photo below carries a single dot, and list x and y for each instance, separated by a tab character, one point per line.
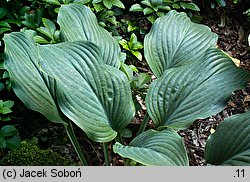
195	80
77	80
194	77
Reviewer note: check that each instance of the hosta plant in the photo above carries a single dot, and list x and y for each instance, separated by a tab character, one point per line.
82	79
79	81
194	81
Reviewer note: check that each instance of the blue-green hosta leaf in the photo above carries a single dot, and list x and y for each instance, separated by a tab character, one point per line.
155	148
28	82
197	90
78	22
174	40
230	145
95	96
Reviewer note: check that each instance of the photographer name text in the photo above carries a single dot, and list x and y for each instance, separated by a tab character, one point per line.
41	173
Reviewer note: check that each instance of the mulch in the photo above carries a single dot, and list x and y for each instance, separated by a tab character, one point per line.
232	40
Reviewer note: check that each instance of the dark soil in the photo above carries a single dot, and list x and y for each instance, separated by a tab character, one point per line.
232	40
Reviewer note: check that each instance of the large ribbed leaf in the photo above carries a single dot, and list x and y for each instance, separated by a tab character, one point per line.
193	91
95	96
174	40
230	144
155	148
78	22
32	86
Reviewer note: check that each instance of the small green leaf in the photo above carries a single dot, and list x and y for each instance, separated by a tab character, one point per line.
33	20
8	131
110	3
135	8
13	142
142	79
5	118
176	6
147	11
99	7
156	3
133	68
16	22
128	71
41	40
56	2
4	24
124	44
133	43
159	13
8	103
146	2
49	29
126	133
24	10
5	110
221	3
190	6
163	7
151	18
97	1
2	30
137	54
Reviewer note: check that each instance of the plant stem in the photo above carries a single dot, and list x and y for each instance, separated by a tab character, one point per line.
106	153
73	139
143	124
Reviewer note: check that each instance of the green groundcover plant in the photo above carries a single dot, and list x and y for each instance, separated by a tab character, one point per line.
79	81
29	150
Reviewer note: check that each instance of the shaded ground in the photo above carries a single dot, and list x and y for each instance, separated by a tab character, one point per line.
232	39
